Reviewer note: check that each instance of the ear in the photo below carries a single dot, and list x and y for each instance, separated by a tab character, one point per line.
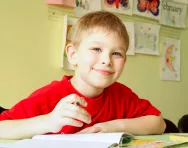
71	54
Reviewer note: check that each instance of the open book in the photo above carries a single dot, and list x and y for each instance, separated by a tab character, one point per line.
107	140
111	139
97	140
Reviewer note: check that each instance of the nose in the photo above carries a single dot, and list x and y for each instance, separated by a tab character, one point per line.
106	59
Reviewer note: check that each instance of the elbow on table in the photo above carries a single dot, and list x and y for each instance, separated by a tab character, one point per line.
160	126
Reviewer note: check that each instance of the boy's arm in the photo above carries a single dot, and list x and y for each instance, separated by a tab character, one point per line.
144	125
64	113
24	128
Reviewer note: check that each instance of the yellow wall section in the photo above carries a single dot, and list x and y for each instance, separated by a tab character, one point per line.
30	57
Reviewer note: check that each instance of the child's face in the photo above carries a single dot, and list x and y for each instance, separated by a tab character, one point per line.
100	58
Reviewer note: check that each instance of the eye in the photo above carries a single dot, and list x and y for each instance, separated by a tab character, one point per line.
116	54
97	49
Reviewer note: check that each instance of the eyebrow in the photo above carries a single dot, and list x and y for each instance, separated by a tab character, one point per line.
121	48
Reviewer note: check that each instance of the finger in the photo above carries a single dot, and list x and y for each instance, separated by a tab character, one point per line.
86	130
74	98
76	115
90	130
75	108
72	122
96	130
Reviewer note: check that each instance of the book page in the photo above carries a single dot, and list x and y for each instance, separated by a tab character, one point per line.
95	137
36	143
4	145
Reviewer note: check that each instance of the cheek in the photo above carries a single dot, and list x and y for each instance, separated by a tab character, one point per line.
119	64
90	59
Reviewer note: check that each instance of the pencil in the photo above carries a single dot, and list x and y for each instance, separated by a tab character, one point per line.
76	103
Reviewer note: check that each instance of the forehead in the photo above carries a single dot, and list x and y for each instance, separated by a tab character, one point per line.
102	33
103	39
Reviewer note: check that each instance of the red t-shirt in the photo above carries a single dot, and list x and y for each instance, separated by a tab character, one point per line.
116	102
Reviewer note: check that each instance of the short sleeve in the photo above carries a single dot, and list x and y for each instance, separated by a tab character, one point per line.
26	108
38	103
137	107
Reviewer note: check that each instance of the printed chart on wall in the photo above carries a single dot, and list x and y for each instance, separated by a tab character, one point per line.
68	25
146	38
118	6
173	14
170	69
130	31
147	8
85	6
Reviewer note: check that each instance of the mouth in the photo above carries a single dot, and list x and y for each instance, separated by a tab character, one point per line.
104	72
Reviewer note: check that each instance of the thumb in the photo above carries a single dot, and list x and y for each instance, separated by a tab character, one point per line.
73	98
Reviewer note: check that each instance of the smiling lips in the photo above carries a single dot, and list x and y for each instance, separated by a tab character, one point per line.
104	72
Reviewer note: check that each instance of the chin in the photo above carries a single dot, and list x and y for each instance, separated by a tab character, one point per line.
101	84
98	82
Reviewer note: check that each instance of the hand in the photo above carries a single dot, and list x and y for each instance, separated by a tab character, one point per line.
104	127
67	113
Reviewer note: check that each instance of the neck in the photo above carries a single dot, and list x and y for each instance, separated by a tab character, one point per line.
85	89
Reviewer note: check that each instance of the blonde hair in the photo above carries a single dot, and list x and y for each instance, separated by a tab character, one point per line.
99	20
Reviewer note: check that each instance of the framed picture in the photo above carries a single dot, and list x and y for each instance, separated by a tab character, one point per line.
146	38
118	6
147	8
170	69
69	3
173	14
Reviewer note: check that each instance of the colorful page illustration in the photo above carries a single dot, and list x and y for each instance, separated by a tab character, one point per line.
68	25
170	69
179	137
118	6
85	6
130	30
147	8
146	38
142	143
173	14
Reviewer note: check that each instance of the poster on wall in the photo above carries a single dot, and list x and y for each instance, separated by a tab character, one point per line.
69	3
68	25
146	38
147	8
173	14
170	69
118	6
130	31
85	6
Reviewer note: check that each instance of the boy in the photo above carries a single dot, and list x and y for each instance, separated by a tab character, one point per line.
90	101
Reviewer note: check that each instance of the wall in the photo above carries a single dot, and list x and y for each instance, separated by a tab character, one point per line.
30	57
